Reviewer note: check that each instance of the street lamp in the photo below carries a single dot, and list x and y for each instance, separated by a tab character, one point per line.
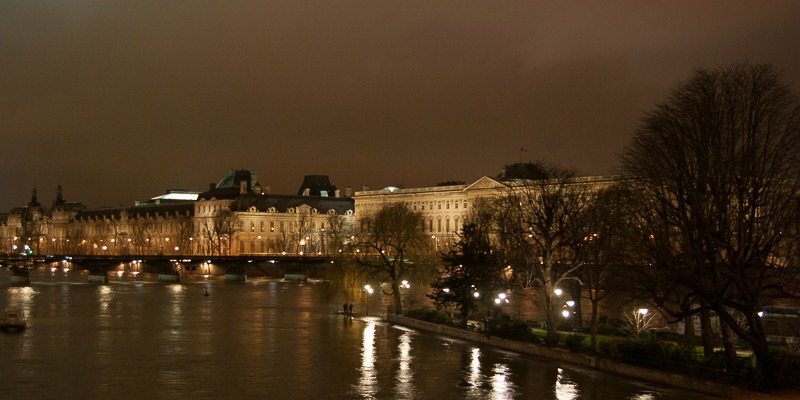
404	286
368	290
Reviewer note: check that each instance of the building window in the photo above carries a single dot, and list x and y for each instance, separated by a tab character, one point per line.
465	204
423	205
415	206
262	226
281	227
430	225
252	226
455	203
272	226
439	205
439	225
447	225
447	205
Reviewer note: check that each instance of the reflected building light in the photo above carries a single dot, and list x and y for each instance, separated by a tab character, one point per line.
405	384
502	388
474	378
565	388
367	383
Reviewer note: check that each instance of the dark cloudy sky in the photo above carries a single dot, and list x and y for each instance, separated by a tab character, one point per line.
120	100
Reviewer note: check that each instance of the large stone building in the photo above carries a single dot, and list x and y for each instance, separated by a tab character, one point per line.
443	207
235	216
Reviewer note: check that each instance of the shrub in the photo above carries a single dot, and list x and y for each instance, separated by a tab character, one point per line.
608	349
574	342
428	315
784	372
515	330
552	339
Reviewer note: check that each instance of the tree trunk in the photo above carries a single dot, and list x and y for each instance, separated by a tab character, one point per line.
550	311
576	289
689	335
398	299
707	333
594	326
730	351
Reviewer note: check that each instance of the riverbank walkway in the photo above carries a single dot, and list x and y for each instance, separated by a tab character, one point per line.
707	387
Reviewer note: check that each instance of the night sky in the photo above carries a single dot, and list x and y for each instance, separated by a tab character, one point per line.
121	100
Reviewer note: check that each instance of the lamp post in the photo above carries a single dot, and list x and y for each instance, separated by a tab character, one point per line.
368	290
404	286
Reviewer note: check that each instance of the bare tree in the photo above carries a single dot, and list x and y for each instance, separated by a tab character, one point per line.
143	233
337	234
604	247
184	234
539	224
386	243
721	160
219	230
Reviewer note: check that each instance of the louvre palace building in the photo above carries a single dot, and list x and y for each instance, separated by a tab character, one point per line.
235	216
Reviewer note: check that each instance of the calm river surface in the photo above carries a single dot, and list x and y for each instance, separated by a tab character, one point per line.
140	339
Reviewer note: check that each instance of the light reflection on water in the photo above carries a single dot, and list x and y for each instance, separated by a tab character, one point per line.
142	339
565	389
368	381
405	384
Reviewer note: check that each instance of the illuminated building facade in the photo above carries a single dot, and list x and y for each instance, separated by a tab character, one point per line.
234	217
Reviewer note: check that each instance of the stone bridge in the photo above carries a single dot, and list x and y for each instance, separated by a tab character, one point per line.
170	268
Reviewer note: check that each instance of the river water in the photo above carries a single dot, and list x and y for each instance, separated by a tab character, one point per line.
136	338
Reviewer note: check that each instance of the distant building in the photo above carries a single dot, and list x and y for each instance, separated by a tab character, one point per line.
234	216
443	208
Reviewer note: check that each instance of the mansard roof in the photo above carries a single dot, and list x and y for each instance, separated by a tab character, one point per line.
282	203
233	177
60	204
172	209
151	209
317	185
100	213
229	187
